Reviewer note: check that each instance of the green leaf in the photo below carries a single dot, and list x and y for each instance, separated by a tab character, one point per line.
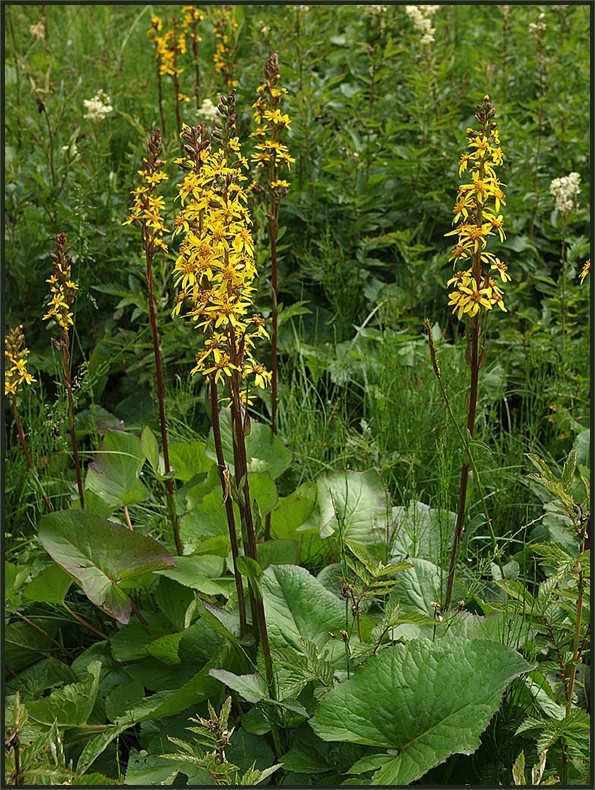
265	452
419	586
353	504
97	746
100	555
172	701
421	531
189	459
197	572
114	474
41	676
252	688
299	609
50	586
69	706
423	701
150	447
264	491
122	699
148	770
278	552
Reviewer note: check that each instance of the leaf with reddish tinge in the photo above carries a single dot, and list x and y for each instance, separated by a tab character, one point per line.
100	555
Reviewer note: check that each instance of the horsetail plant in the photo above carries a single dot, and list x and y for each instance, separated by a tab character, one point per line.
63	290
475	291
147	211
214	272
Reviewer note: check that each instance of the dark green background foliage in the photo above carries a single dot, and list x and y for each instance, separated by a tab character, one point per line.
361	485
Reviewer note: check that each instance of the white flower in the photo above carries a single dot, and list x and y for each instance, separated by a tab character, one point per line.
421	16
537	28
565	191
208	111
98	107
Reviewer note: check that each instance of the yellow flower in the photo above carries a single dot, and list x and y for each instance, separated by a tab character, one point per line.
585	271
15	361
477	218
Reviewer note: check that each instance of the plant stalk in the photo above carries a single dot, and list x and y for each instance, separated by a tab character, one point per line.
161	399
227	500
474	364
65	351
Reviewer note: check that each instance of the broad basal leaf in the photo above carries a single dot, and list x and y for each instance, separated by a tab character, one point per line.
70	705
100	555
354	504
114	474
423	701
298	609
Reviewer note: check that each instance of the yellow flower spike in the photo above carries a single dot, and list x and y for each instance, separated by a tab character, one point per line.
586	270
15	362
477	218
215	267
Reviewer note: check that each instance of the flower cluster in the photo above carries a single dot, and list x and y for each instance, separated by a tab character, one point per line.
215	269
224	28
477	212
538	28
98	107
15	360
586	270
208	111
565	191
271	123
421	16
147	207
63	288
167	47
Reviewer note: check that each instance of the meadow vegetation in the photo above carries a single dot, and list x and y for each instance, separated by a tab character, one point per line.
297	455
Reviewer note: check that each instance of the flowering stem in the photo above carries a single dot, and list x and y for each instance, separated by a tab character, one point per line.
250	549
23	442
161	399
160	94
64	345
474	364
231	525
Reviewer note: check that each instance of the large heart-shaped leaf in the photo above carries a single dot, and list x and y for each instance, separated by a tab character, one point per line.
421	531
265	452
100	555
299	609
114	475
423	701
353	503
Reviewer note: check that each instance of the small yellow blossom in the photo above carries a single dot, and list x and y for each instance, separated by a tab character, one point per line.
15	361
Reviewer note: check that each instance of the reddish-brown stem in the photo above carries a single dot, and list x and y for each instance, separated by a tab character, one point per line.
227	500
161	397
23	442
160	94
474	364
65	350
196	64
87	624
250	549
